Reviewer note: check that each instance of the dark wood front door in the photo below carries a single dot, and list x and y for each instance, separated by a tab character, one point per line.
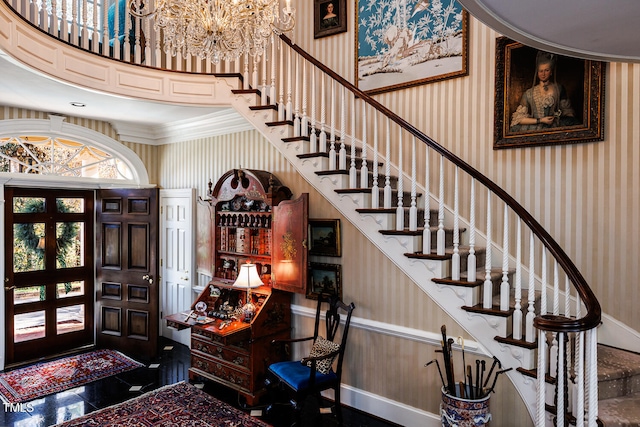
48	272
127	271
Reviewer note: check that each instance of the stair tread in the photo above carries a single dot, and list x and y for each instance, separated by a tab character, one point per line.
614	363
620	411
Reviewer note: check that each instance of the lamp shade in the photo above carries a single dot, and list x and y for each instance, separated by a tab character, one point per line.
248	277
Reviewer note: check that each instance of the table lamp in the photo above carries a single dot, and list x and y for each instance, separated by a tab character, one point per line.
248	278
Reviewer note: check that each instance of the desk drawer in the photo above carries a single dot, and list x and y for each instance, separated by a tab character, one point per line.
221	370
234	355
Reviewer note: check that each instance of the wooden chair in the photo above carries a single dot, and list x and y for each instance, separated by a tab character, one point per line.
300	380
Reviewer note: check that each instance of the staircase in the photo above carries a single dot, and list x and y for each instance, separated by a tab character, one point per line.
434	216
618	387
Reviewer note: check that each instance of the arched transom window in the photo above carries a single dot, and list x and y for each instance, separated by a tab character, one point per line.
55	148
58	156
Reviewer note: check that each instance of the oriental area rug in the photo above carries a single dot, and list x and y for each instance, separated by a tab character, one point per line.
178	404
35	381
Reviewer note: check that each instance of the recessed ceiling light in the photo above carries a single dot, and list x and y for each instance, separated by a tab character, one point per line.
78	104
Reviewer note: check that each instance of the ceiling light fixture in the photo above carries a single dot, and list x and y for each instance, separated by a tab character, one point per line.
216	29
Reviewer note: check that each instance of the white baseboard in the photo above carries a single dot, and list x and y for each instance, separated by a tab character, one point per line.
387	409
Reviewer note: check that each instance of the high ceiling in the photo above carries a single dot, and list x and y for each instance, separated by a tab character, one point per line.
592	29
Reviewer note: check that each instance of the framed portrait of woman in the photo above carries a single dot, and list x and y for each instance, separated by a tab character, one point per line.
543	98
329	17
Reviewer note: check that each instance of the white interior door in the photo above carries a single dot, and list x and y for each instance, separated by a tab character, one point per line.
177	261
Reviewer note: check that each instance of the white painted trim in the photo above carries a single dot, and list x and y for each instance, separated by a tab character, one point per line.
403	332
614	333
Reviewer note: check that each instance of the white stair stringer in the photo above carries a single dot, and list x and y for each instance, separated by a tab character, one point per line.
482	327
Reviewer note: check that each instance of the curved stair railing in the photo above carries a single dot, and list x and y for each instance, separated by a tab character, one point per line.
420	195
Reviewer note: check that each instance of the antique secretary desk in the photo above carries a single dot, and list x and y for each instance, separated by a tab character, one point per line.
253	221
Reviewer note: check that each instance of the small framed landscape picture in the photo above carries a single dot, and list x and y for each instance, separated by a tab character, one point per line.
324	279
329	17
324	237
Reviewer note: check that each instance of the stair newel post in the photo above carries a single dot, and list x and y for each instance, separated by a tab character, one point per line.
487	287
289	77
342	154
332	138
578	409
455	258
517	312
375	190
426	231
313	138
413	209
592	378
529	329
281	84
387	168
272	87
504	285
400	188
471	258
561	383
353	172
364	171
541	385
440	236
323	115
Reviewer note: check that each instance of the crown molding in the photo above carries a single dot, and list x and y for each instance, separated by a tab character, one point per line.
222	122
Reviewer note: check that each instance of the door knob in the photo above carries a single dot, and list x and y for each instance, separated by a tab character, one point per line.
147	278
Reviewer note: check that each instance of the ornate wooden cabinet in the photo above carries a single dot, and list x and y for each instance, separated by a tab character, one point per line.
253	221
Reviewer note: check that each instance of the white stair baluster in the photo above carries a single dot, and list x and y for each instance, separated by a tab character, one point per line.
387	168
413	209
304	123
426	231
440	236
471	258
364	170
323	116
296	109
289	106
455	258
578	408
504	285
541	385
264	88
400	189
560	381
313	138
517	312
487	287
530	333
281	106
353	172
332	145
272	87
342	153
375	190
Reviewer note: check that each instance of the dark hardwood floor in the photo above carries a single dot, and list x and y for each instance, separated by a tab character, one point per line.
173	366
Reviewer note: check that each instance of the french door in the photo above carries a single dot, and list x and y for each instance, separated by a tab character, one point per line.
49	272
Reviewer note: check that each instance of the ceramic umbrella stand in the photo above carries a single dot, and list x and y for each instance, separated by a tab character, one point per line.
459	412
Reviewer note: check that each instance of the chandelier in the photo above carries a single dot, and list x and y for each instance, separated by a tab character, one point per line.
216	29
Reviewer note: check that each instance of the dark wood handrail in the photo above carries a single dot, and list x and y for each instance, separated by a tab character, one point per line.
548	323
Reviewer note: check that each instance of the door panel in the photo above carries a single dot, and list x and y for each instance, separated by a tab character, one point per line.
176	223
126	271
48	272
